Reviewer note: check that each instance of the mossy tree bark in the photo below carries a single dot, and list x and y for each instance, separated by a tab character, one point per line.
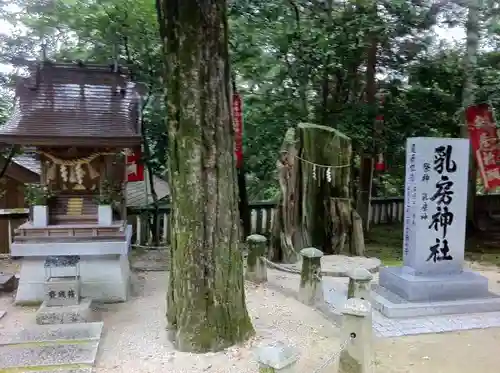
315	208
206	309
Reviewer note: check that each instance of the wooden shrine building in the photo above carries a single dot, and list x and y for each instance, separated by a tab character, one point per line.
81	119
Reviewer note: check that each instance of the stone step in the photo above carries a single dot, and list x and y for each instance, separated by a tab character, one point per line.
80	313
30	357
57	370
52	333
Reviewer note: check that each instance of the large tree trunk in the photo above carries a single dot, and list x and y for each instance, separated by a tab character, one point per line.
315	208
206	308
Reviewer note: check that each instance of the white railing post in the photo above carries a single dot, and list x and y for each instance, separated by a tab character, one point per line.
138	229
165	228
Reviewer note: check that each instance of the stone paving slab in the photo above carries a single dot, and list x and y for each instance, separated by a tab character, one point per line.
22	356
339	265
335	295
47	333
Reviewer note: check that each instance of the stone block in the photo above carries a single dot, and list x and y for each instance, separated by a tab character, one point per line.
52	333
62	291
31	357
65	314
444	287
276	357
8	282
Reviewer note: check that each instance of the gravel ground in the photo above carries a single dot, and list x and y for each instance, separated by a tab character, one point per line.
134	339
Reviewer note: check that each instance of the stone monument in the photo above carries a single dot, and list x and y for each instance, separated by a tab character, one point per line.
62	302
432	279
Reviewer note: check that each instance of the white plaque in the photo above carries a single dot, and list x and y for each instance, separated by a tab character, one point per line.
435	204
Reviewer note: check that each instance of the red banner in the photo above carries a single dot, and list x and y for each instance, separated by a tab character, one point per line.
238	129
135	169
484	141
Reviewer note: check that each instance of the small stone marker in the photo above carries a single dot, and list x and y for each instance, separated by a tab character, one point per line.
8	282
62	290
311	290
357	353
359	283
276	357
256	269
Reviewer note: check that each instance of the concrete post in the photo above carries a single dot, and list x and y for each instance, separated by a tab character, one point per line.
311	289
357	354
276	357
359	283
256	270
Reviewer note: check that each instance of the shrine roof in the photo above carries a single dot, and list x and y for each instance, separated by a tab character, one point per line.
74	105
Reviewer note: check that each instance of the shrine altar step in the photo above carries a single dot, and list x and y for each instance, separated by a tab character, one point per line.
60	348
27	233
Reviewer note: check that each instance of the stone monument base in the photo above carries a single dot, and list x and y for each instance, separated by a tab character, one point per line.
393	306
439	287
402	294
79	313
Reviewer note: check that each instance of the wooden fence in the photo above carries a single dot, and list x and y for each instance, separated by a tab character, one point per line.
382	211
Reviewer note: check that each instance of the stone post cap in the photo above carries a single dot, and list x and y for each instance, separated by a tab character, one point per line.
360	274
311	252
256	238
357	307
277	355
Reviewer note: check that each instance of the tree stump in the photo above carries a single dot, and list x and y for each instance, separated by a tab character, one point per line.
315	207
311	289
256	268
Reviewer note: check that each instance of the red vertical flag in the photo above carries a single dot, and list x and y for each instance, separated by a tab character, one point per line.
135	169
238	129
484	142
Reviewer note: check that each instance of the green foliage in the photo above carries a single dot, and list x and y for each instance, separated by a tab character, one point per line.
294	61
109	194
37	195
